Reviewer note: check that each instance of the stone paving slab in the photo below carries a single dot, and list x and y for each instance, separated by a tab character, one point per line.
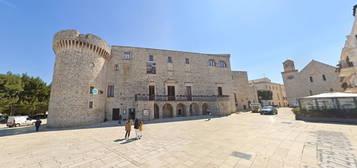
241	140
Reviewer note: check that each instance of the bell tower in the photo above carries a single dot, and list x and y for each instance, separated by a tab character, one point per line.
289	66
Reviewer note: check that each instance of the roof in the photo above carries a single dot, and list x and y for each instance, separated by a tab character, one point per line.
316	62
331	95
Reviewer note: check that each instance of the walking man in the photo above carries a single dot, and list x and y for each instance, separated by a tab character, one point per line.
141	129
127	129
37	124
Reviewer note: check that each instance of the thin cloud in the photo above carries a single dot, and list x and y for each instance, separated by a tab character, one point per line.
7	3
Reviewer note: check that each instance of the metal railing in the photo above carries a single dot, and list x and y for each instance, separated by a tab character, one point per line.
147	97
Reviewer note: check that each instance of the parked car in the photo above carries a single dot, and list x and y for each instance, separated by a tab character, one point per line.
268	110
3	119
15	121
255	107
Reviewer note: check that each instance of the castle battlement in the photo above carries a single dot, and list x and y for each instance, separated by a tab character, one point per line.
73	39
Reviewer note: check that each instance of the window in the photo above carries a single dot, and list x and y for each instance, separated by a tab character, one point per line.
151	68
110	91
222	64
324	77
187	61
211	62
331	90
169	59
310	92
90	104
116	67
126	56
151	92
151	58
189	93
220	93
91	89
311	79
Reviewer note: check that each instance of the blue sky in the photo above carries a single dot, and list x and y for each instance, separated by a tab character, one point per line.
259	34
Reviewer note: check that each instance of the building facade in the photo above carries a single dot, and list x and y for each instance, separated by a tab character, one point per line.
94	82
346	67
278	91
243	93
314	78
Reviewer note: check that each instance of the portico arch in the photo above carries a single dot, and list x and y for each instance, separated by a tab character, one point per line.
180	110
167	111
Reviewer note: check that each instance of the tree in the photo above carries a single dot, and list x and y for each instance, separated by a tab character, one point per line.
265	95
23	95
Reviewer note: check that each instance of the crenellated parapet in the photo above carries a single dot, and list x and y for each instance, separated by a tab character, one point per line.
73	39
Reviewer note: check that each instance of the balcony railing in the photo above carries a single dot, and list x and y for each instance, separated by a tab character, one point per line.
147	97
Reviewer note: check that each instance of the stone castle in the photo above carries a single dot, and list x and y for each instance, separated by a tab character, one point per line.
94	82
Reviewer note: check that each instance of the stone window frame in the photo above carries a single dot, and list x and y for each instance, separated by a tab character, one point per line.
90	104
211	62
110	90
127	56
324	77
116	67
222	64
151	58
311	79
169	60
187	61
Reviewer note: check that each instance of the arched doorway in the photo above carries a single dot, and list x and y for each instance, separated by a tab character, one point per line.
167	111
180	110
204	109
194	109
156	111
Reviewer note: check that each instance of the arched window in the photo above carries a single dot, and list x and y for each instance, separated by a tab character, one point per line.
222	64
324	77
211	62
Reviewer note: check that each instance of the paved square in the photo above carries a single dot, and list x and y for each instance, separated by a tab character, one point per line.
240	140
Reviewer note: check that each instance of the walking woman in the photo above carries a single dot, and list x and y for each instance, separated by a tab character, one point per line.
136	127
141	129
127	129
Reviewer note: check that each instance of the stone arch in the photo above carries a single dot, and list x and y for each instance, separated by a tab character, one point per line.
156	111
205	109
194	109
167	111
180	110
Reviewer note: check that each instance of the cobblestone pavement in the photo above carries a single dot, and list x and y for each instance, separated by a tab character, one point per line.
240	140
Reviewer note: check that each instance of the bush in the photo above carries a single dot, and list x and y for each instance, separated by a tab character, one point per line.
331	113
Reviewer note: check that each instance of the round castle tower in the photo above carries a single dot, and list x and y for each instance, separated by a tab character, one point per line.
79	71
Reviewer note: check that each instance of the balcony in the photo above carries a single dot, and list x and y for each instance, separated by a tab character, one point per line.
212	98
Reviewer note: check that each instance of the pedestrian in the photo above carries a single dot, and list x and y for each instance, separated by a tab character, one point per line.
120	118
127	129
141	129
37	124
136	127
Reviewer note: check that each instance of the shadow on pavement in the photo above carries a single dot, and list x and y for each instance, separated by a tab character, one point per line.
27	130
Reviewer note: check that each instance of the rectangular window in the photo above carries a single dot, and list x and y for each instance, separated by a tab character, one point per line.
311	79
91	89
126	56
116	67
171	93
220	93
151	58
187	61
110	91
151	68
151	92
169	59
90	104
189	93
324	77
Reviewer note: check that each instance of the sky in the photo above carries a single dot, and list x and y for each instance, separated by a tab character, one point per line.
259	34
